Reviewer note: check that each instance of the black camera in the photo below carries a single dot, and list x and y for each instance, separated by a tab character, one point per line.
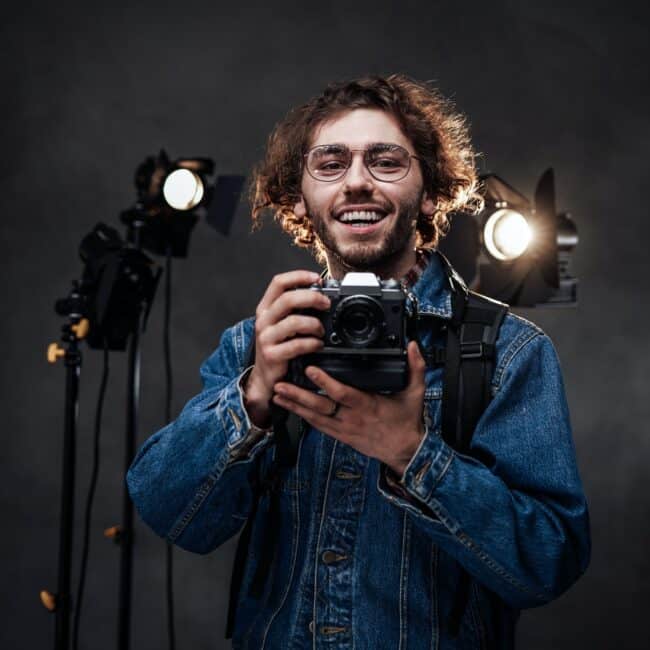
365	335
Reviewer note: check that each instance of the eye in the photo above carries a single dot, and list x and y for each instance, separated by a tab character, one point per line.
386	163
387	166
331	165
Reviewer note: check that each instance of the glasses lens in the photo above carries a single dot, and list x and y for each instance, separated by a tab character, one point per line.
388	162
329	162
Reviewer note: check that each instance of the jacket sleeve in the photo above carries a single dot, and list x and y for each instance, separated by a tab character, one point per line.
512	512
190	481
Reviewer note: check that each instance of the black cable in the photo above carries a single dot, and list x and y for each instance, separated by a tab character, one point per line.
171	632
166	337
89	499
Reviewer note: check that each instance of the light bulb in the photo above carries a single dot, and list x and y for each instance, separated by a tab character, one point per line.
183	189
507	234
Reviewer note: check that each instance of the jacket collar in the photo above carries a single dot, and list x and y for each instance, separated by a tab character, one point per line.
433	289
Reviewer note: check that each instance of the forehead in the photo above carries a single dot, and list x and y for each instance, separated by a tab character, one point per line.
360	127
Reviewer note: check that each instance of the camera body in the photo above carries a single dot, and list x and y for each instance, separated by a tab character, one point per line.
365	335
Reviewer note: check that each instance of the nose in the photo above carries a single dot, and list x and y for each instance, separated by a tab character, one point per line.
357	178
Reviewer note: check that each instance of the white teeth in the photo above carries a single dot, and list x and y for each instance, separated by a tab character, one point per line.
361	215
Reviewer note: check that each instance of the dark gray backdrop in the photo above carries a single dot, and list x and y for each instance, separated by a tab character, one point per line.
89	91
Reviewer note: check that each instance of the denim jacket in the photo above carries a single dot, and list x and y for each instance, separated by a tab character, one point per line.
360	564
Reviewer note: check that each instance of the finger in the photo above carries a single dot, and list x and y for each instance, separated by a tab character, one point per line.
417	366
319	403
342	393
285	281
321	422
292	301
290	349
288	327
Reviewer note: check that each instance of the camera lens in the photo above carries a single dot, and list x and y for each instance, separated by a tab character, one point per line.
358	320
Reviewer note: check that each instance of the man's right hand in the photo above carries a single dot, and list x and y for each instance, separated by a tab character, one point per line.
276	341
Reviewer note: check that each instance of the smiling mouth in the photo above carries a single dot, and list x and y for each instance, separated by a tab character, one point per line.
361	218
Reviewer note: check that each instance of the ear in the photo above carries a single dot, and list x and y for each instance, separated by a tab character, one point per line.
300	209
427	205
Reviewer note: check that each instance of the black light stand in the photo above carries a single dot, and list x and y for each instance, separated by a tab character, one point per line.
110	306
73	331
124	533
126	528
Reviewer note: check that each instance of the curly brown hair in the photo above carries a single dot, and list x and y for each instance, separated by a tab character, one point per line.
438	132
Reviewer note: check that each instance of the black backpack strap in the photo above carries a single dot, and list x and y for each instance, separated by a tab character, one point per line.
290	429
451	396
469	359
477	337
237	575
243	543
287	431
469	366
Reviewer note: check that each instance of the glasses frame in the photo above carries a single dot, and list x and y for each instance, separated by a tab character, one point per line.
364	151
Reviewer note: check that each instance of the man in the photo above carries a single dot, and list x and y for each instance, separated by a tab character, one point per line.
379	523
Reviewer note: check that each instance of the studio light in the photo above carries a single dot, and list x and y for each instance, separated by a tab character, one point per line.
179	184
171	197
170	194
514	250
118	282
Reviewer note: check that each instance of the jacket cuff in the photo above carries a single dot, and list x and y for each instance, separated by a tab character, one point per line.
424	471
242	435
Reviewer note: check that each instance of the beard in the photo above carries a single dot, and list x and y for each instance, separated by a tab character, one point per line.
370	256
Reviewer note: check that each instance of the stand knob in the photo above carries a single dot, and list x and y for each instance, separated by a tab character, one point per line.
49	600
81	328
54	352
114	533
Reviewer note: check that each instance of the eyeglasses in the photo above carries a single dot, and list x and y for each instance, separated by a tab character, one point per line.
385	161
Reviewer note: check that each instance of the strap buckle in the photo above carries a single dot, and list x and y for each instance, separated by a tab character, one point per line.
476	350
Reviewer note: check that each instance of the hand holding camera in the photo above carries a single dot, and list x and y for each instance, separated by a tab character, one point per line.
386	427
282	334
346	341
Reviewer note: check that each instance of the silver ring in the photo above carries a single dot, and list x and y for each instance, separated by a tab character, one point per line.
337	406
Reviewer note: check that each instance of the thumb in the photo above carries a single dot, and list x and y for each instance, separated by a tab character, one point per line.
417	366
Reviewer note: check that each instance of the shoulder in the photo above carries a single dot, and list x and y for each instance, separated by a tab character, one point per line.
517	337
519	341
232	352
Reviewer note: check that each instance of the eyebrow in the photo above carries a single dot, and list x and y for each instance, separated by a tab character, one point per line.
325	149
373	147
379	147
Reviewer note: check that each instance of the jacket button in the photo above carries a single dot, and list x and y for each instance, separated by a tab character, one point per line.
311	626
421	472
341	473
329	557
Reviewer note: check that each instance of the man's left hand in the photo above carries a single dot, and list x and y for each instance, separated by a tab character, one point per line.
386	427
